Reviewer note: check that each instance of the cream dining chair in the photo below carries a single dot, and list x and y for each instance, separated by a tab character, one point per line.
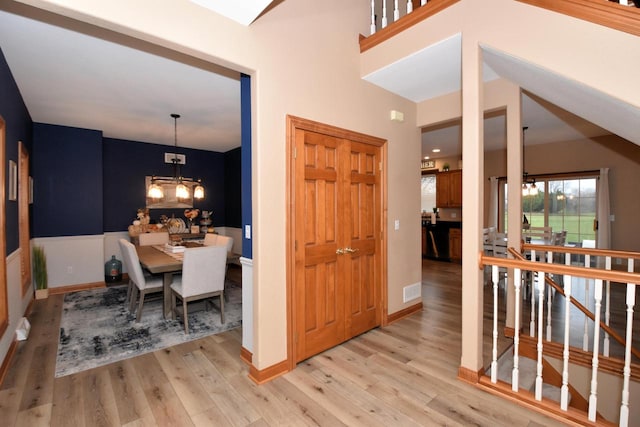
211	239
203	271
144	284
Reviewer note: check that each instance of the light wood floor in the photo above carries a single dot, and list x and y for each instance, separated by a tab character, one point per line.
400	375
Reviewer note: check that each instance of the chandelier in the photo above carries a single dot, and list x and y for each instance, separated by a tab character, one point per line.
156	191
528	184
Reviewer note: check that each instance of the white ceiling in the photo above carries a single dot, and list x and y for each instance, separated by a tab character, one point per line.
436	71
74	75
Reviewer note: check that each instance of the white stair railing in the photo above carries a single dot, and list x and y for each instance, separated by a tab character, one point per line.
515	374
495	278
540	285
540	272
593	397
626	373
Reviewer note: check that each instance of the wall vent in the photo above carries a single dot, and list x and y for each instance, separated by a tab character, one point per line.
411	292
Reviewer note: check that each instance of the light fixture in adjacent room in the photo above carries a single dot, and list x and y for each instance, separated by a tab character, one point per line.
156	191
529	187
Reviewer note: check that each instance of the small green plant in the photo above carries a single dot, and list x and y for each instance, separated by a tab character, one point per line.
40	267
445	167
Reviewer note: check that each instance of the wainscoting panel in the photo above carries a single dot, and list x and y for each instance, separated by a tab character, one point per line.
73	260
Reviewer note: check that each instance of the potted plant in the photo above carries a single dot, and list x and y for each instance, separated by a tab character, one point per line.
40	272
445	167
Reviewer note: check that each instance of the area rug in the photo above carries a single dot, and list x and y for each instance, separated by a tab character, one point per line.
97	329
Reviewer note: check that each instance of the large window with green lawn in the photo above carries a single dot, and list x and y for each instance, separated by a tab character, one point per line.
562	203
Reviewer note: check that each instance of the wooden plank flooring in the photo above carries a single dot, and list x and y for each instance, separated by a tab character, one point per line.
404	375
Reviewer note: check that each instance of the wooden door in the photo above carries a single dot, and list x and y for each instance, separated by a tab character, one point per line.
336	287
24	191
362	234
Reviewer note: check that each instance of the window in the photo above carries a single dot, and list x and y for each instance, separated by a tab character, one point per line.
428	191
563	204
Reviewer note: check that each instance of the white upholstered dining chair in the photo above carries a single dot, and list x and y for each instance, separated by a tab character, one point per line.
149	239
203	277
137	280
211	239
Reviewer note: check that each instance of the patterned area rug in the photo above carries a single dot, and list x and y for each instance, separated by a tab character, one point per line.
97	329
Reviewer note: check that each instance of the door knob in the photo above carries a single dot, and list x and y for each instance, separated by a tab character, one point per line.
340	251
350	250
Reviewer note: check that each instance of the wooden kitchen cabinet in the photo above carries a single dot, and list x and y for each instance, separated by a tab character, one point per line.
455	244
449	189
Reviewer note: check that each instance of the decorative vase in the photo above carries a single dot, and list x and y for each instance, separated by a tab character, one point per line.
42	293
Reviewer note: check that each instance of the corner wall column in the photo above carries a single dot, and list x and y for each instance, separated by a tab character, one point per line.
472	200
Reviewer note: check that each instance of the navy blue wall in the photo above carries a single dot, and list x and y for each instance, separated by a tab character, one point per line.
67	175
245	113
233	188
18	127
126	163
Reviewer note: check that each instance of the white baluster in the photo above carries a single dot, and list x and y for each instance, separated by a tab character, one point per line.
409	7
607	308
540	284
396	11
495	278
585	335
593	398
373	17
384	13
515	373
532	322
626	372
549	295
564	390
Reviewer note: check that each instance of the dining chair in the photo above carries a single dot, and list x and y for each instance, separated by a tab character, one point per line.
211	239
149	239
143	284
203	277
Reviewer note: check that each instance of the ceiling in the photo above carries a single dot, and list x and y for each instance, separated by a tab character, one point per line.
73	74
585	113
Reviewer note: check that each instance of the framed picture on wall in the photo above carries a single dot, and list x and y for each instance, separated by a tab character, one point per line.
13	180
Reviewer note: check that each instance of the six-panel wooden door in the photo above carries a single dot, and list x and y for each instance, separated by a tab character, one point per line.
337	240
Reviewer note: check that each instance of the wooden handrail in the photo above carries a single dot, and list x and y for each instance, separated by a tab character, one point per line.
418	15
612	15
579	251
587	273
581	307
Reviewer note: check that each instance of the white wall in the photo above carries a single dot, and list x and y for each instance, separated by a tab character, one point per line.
73	260
17	303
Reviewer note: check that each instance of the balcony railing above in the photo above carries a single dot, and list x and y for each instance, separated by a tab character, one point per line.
390	17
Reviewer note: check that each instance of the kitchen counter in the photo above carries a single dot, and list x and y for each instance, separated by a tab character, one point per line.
435	239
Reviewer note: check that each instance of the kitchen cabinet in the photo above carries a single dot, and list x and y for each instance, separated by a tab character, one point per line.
455	244
449	189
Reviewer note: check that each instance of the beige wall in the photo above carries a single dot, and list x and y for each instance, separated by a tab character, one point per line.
304	60
621	156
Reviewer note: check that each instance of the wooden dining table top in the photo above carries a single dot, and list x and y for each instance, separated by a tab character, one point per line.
157	261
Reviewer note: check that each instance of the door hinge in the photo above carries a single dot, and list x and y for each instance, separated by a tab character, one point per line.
295	152
380	166
382	235
295	245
